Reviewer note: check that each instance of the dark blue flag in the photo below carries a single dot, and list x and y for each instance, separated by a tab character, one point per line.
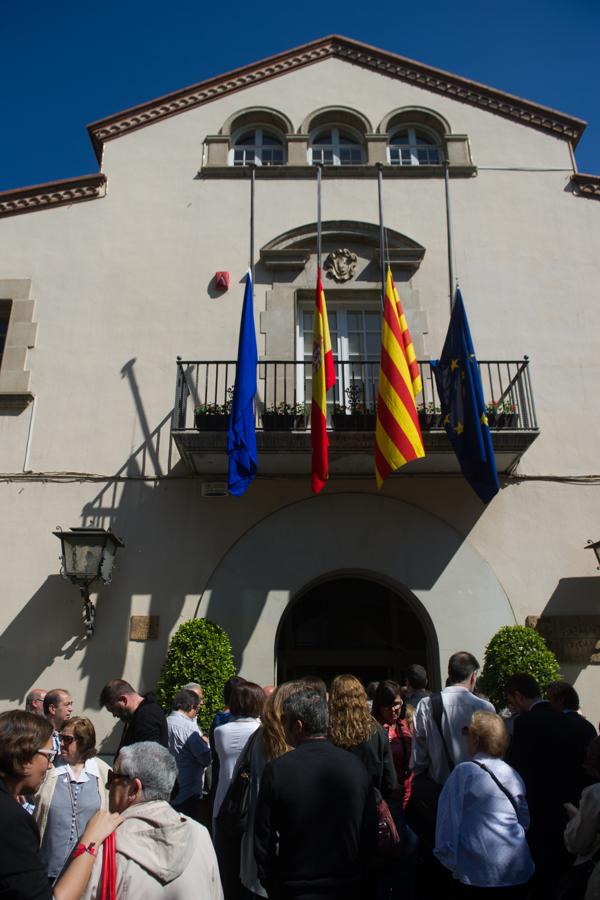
241	437
463	407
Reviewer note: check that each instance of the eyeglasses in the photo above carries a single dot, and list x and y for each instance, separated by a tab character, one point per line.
113	777
66	739
49	754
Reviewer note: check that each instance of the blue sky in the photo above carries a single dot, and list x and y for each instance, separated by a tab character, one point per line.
65	64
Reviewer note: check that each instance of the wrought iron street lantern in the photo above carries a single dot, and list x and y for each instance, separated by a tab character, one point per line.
88	554
595	546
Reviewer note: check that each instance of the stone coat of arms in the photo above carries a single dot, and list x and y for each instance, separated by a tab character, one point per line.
341	265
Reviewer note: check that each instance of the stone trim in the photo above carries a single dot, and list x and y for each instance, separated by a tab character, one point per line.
291	251
357	53
20	337
336	115
586	185
52	194
364	170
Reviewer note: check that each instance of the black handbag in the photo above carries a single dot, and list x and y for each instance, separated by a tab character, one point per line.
232	817
573	884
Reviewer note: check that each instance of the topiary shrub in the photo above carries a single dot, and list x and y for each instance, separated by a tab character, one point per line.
199	651
515	649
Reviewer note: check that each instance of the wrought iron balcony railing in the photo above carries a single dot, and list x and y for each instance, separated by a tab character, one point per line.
204	391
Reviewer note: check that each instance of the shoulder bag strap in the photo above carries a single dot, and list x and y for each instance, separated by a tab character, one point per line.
437	709
500	785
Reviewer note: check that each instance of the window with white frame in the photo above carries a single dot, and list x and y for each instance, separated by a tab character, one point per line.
413	147
356	343
257	146
336	147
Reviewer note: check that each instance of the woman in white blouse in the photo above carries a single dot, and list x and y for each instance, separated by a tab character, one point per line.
245	705
482	818
72	792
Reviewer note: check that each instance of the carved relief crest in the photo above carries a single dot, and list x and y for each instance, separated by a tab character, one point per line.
341	265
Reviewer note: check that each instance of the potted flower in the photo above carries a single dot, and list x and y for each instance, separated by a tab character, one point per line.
283	416
213	416
355	414
430	416
502	414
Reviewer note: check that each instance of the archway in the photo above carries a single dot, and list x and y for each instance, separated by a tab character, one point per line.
352	624
412	552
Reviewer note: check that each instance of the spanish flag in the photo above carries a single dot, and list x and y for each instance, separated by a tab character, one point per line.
323	378
397	435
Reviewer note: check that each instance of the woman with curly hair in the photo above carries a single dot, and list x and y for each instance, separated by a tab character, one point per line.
270	743
352	727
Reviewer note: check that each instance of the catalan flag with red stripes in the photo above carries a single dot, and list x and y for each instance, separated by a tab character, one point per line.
397	435
323	378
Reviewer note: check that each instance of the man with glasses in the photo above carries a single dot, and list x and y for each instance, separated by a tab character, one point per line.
159	852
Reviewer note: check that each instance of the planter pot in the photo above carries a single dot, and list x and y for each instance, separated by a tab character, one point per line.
427	421
353	421
211	423
277	422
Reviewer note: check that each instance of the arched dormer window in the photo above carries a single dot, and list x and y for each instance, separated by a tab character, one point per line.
336	147
259	146
411	146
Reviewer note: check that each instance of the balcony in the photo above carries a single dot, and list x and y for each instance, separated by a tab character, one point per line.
204	389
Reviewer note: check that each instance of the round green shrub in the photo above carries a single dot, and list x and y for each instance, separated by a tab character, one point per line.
512	650
199	651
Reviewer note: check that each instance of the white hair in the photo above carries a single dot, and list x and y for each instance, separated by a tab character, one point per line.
192	686
153	765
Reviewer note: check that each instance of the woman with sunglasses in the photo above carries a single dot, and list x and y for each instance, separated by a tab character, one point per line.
70	795
26	756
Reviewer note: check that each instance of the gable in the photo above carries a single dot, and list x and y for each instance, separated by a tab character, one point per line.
387	64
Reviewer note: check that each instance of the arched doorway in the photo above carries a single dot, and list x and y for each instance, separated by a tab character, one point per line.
351	624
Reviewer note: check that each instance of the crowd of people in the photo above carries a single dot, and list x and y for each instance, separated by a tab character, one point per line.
306	792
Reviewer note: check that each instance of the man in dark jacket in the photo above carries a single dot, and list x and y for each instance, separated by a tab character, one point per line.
564	698
315	832
541	752
144	719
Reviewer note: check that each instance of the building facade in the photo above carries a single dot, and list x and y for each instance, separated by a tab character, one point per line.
114	329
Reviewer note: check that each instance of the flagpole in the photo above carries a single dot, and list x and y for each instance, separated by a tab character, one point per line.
319	167
381	231
451	277
252	181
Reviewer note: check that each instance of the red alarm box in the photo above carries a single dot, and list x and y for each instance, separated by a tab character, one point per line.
222	281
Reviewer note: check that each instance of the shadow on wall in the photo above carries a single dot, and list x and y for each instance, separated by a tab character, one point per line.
47	628
576	597
147	515
343	533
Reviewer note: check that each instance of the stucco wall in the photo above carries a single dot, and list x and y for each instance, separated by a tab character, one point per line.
122	285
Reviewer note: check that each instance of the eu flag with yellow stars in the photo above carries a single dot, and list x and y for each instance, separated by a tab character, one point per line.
463	408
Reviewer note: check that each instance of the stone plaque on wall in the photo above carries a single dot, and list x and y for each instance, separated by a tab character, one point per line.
143	628
574	639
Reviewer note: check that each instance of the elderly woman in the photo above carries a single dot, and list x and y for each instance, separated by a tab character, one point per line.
482	817
26	755
582	834
70	795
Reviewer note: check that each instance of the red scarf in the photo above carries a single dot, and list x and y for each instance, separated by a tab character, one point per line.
108	882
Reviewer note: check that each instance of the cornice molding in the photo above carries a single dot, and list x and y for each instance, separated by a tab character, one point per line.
586	185
52	194
356	53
